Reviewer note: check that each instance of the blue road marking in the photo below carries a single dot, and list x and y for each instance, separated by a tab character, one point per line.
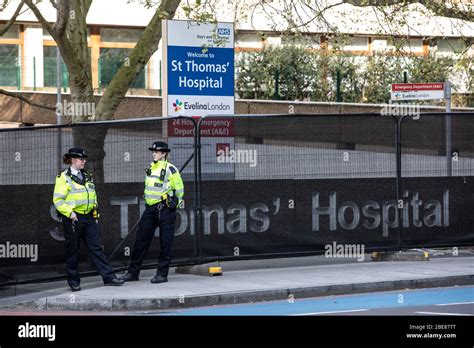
402	298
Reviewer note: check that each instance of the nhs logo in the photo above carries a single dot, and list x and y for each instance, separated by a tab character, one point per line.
223	31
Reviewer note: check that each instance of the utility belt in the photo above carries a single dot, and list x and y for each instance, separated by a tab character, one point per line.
151	206
80	217
166	201
92	214
89	214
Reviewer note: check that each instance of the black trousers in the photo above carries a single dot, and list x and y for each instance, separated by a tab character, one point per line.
86	228
150	220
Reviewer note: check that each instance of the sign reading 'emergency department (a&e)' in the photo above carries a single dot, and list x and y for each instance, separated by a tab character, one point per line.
417	91
198	68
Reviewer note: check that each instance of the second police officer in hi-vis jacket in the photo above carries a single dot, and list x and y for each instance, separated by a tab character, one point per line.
164	191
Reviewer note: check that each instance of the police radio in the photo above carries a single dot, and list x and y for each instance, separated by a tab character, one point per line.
162	174
163	171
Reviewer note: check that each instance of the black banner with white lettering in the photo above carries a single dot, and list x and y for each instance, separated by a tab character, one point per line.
277	217
359	331
248	219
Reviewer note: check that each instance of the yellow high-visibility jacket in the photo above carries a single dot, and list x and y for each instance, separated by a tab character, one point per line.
70	196
156	185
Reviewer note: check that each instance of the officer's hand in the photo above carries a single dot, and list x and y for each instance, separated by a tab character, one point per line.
73	216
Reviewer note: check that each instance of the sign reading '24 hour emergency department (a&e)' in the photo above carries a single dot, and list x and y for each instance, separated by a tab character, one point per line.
198	68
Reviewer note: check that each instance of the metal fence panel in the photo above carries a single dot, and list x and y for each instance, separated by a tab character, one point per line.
280	185
261	186
29	162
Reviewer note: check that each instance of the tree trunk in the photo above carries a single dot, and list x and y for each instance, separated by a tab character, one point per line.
92	139
89	137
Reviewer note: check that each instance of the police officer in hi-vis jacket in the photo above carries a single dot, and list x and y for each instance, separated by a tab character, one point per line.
164	191
75	199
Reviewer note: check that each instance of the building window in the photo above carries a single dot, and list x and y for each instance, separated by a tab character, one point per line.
49	59
9	66
111	59
450	46
47	35
120	35
405	45
249	42
12	33
307	41
350	43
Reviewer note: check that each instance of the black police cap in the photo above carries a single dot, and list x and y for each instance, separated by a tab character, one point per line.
159	146
76	152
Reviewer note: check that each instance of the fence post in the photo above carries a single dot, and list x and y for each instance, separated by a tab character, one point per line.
99	73
449	145
34	73
338	86
58	106
277	85
398	143
161	86
196	188
65	79
199	216
18	76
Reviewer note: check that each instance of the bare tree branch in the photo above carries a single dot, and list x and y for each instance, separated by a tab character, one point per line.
320	13
144	49
438	8
87	6
26	100
55	5
47	25
62	41
4	4
63	15
13	19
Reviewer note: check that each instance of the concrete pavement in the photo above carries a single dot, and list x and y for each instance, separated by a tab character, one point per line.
245	282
